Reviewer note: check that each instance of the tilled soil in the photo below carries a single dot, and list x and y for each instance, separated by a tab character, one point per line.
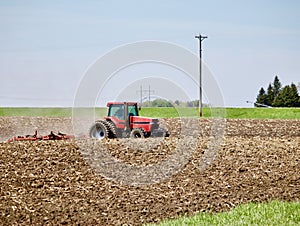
59	182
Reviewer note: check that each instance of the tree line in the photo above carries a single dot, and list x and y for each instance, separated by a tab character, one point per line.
278	96
169	103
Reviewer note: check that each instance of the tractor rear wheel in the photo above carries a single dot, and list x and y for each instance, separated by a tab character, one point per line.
99	130
113	132
137	133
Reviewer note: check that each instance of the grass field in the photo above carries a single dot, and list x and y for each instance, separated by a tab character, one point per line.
272	213
49	112
241	113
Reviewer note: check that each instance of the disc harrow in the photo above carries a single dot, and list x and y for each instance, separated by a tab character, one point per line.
36	137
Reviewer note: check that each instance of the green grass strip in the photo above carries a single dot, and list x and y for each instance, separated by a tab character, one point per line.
231	113
263	113
45	112
273	213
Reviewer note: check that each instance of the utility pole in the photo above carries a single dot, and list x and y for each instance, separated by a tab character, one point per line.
145	91
149	94
201	38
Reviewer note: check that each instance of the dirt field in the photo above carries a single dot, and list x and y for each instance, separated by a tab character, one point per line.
53	182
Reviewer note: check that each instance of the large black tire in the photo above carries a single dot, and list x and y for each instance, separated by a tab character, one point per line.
137	133
113	132
99	130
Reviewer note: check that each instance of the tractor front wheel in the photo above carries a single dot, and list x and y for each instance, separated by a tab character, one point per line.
137	133
99	130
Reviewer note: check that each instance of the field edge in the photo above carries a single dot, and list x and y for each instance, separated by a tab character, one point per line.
172	112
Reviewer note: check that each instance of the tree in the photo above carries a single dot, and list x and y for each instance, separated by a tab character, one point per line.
276	86
281	99
287	97
161	103
294	96
278	97
193	103
261	97
267	98
270	95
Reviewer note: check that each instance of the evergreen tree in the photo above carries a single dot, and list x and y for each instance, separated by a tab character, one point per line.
276	86
294	96
281	98
287	97
277	96
270	95
261	97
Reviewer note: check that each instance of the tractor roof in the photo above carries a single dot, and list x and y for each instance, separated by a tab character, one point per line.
113	103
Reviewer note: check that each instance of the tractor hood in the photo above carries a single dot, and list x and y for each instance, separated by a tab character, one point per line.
144	120
146	124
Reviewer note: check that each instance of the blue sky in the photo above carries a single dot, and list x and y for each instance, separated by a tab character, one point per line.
46	46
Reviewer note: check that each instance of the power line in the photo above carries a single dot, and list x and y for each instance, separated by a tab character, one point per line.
142	91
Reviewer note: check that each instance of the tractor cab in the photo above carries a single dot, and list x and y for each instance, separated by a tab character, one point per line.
121	109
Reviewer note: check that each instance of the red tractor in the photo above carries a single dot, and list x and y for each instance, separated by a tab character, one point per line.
123	121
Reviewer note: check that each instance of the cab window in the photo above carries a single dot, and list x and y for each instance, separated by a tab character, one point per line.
132	110
117	110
